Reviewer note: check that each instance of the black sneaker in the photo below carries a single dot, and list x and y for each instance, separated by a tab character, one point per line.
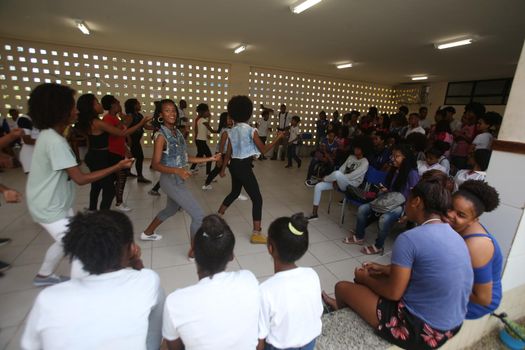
310	183
4	266
4	241
312	217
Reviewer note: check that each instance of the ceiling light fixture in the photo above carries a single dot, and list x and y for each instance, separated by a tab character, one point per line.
303	5
453	44
420	78
240	48
82	26
343	66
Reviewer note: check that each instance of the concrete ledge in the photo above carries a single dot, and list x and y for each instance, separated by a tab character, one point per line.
344	329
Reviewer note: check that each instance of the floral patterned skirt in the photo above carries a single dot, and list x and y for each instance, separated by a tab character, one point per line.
398	326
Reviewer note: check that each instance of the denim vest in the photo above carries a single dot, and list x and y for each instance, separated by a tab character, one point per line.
175	154
241	139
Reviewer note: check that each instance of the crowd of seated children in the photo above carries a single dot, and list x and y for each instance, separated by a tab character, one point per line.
350	173
118	305
419	301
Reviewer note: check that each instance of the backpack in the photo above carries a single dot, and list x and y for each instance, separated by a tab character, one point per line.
387	202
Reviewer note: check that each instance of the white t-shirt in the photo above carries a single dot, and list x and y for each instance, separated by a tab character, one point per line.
262	129
455	125
115	310
466	174
483	141
418	129
182	114
425	123
423	167
203	130
217	313
294	134
291	308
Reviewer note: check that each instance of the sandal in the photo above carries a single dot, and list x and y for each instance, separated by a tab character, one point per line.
372	250
327	308
353	240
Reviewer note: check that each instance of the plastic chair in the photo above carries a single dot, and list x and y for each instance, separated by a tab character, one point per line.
372	177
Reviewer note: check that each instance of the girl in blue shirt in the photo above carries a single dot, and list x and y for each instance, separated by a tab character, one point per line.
473	198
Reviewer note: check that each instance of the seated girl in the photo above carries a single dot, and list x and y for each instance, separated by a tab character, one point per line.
222	309
351	173
479	162
288	319
117	306
472	199
401	177
322	160
432	157
419	301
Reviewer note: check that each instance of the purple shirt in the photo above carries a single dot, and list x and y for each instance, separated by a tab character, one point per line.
413	179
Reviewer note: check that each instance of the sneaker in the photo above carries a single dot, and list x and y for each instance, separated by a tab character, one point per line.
194	171
4	266
242	197
152	237
258	238
154	193
311	183
49	280
312	217
207	187
341	202
123	207
143	180
4	241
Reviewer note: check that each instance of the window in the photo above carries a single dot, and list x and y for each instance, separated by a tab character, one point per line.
487	92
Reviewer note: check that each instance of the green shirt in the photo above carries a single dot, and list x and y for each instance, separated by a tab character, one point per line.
50	191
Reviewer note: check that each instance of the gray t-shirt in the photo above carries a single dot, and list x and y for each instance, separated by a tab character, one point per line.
50	191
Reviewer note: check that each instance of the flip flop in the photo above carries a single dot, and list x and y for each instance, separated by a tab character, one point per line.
353	240
372	250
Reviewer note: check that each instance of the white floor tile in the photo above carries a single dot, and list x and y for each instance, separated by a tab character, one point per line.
327	252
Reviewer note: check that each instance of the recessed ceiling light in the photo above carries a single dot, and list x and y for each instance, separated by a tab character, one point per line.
303	5
453	44
420	78
240	48
343	66
82	26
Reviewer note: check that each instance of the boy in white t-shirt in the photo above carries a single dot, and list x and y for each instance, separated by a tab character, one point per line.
291	306
479	161
263	128
220	311
117	306
431	162
293	142
484	138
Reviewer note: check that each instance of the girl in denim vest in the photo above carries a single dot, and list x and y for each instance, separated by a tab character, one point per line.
245	144
171	159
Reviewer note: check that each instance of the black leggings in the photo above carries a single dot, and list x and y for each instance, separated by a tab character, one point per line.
203	150
120	177
138	154
242	176
213	174
96	160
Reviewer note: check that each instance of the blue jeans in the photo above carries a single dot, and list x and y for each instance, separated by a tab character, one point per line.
309	346
365	216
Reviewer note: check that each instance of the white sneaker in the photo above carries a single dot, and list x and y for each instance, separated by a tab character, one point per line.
123	207
152	237
207	187
242	197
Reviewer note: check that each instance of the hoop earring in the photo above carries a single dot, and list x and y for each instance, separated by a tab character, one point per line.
160	120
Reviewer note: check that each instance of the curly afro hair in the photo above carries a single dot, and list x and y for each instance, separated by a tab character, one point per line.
484	197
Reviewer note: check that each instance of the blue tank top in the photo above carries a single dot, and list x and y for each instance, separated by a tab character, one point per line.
175	155
490	272
241	139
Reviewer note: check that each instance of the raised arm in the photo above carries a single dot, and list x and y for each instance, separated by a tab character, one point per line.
82	178
261	146
110	129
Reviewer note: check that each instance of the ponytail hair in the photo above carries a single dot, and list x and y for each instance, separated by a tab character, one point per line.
289	236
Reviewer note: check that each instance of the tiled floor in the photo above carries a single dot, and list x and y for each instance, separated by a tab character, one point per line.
283	192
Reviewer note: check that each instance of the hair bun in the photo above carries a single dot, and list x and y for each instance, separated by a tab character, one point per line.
487	194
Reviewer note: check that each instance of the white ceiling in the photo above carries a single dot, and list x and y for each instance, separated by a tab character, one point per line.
388	40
